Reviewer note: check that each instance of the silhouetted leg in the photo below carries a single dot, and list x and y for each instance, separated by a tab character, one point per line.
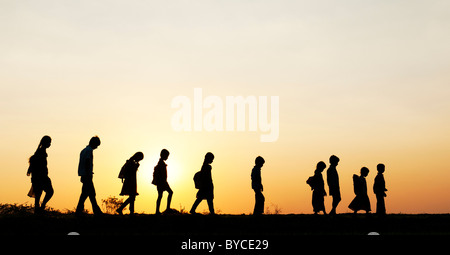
211	206
169	198
95	207
80	206
259	203
194	206
381	207
48	195
89	191
158	200
122	206
83	196
132	199
336	200
37	198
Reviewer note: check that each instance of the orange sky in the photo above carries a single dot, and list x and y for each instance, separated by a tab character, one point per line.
368	83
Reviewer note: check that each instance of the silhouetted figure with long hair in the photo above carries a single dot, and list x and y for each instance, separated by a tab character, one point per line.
85	171
318	187
203	181
361	201
160	180
379	188
128	175
257	186
333	183
39	175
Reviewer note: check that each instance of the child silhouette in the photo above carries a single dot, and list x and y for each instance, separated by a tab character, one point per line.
379	188
206	188
361	201
160	180
39	175
257	186
129	179
333	183
318	187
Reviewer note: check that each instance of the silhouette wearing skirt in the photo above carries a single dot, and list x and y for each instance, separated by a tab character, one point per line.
318	187
38	170
129	188
361	201
203	181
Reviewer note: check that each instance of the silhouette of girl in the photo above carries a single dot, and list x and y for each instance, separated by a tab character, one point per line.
129	187
39	175
319	192
206	189
361	201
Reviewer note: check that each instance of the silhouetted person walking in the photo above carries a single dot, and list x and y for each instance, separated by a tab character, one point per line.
333	183
128	175
361	201
160	180
85	171
257	186
39	175
318	186
203	181
379	188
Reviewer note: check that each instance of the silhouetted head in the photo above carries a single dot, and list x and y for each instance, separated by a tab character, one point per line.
259	161
209	158
138	156
94	142
364	171
45	142
381	168
334	160
321	166
164	154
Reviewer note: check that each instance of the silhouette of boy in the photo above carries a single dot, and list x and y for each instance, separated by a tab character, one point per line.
257	186
379	188
85	171
333	183
206	189
160	180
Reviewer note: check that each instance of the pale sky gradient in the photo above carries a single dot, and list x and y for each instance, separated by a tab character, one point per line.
368	81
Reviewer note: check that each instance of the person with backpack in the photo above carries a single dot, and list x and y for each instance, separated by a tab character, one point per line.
129	180
39	175
361	201
257	186
379	188
318	187
160	180
203	181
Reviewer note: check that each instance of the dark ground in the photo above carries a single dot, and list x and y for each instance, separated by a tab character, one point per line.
222	225
282	231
